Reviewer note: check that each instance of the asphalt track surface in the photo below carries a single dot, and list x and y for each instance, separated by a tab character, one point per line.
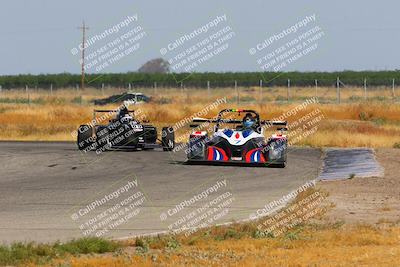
46	187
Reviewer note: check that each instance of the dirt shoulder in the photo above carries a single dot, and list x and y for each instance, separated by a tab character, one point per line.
368	200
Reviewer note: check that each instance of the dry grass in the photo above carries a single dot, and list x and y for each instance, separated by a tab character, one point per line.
311	245
54	117
306	244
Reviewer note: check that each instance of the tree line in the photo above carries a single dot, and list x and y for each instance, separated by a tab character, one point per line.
214	79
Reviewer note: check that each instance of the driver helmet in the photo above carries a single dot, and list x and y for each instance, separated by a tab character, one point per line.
126	118
248	120
123	112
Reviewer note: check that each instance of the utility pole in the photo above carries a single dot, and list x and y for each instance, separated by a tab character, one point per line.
208	89
338	89
237	94
393	85
365	89
316	88
182	87
27	92
83	28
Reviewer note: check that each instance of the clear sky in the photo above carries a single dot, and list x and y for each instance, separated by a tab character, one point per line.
36	36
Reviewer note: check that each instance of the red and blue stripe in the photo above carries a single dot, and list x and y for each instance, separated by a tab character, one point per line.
216	154
255	155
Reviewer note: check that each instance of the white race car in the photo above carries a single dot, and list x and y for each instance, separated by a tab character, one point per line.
243	144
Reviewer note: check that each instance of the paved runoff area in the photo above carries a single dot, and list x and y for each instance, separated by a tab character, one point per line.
349	163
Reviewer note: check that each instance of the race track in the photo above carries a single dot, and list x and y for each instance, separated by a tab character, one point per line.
45	189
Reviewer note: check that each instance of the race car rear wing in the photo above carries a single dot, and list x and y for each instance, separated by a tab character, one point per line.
279	125
233	121
274	123
109	110
216	120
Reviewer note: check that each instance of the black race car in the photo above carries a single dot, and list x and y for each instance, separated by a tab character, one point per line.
238	141
122	132
128	96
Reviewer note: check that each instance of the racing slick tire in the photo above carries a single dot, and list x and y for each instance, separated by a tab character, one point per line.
85	139
168	138
102	138
281	165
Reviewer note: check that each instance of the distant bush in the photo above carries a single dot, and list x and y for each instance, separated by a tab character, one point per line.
142	246
364	116
247	99
14	100
355	98
280	98
379	121
378	98
77	100
164	100
6	100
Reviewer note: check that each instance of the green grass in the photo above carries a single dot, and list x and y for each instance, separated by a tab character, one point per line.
19	253
37	101
247	99
14	100
142	245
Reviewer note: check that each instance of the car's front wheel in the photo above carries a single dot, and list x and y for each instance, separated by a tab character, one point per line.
168	138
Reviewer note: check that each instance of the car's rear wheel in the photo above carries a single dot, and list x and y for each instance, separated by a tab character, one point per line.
150	134
85	140
168	138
